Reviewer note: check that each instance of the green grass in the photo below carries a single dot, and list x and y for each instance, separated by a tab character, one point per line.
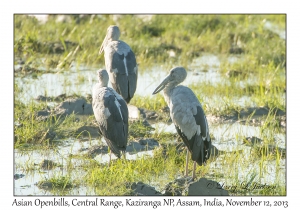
144	169
31	130
151	103
187	35
58	185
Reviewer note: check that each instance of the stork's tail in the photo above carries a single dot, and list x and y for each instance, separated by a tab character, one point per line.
115	148
201	150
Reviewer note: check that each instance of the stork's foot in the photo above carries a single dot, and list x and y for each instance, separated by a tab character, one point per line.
189	179
124	155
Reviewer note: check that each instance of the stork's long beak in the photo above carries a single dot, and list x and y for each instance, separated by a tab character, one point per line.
102	45
162	85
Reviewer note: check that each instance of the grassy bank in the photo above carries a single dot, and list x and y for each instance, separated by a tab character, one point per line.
79	38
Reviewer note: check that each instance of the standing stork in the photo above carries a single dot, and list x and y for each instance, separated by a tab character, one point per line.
111	114
188	116
120	63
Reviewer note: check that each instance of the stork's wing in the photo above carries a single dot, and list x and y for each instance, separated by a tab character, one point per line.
132	72
117	124
112	117
203	141
110	104
118	75
201	120
123	73
124	111
198	145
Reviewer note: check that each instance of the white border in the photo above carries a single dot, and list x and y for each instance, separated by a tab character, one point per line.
8	8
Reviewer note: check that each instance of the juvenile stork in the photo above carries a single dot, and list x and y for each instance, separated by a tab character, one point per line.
120	63
188	116
111	114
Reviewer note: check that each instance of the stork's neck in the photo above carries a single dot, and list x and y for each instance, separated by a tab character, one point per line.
113	37
107	42
170	86
168	90
103	83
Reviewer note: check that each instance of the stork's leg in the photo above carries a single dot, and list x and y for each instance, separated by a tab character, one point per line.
187	163
124	154
109	158
194	171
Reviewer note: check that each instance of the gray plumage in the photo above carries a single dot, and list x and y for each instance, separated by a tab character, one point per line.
187	114
120	62
111	114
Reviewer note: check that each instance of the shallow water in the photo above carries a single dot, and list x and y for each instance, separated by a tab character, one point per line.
26	185
163	127
237	131
81	79
229	136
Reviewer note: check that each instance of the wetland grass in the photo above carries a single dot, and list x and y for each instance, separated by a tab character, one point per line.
138	129
60	183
